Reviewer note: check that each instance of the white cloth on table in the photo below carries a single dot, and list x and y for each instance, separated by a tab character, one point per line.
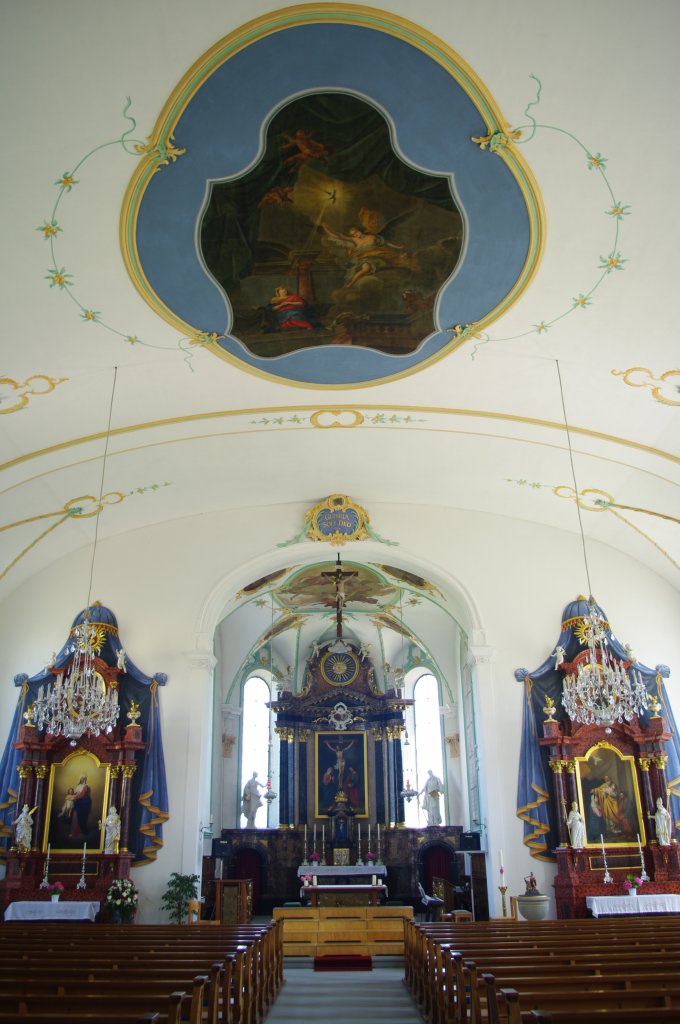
655	903
46	910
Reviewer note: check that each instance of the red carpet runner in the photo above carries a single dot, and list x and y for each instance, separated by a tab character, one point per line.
343	962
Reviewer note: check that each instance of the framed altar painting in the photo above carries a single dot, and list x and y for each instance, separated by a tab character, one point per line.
340	759
76	802
609	797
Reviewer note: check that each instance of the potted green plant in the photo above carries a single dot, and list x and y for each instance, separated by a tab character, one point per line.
180	890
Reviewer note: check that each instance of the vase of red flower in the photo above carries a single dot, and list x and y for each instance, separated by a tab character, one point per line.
631	884
55	889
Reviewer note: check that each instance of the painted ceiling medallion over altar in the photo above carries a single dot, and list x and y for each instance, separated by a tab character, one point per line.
340	224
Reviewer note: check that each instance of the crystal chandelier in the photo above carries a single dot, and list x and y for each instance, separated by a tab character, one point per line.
79	701
601	691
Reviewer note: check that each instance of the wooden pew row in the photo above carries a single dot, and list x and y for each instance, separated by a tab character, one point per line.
435	980
262	972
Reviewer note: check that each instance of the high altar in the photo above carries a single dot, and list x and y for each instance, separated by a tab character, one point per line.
341	798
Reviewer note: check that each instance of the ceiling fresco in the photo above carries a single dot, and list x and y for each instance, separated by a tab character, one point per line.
322	230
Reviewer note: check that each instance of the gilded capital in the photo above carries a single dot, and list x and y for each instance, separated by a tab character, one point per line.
644	764
24	770
42	771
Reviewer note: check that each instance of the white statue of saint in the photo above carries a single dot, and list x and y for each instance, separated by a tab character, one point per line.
111	830
577	831
662	820
23	828
430	793
121	660
251	800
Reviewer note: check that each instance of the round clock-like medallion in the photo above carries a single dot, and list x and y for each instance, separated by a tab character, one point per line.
340	669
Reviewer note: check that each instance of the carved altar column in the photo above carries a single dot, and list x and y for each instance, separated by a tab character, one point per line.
114	794
560	800
128	770
380	793
397	730
391	787
659	761
286	775
647	799
25	772
41	773
301	746
571	784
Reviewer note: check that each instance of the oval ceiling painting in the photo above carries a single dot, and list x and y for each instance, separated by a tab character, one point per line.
336	219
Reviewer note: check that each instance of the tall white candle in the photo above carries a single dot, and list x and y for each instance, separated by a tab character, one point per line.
369	835
378	838
602	841
359	837
315	835
84	850
500	858
323	840
305	835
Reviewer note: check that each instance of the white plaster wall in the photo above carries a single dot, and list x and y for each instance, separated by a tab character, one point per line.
169	587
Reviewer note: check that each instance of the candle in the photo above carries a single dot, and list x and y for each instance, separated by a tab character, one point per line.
84	850
378	838
500	858
315	835
305	835
602	841
323	841
369	835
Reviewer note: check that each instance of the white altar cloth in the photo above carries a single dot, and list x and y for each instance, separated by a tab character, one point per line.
348	871
46	910
656	903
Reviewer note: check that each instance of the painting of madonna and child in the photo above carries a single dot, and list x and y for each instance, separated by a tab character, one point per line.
332	237
610	799
78	791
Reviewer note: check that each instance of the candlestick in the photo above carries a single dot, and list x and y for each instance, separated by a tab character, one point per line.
607	877
379	860
323	843
369	835
314	843
503	889
82	883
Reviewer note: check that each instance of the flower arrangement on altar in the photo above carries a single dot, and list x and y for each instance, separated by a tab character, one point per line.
122	897
306	879
632	882
315	858
55	888
370	858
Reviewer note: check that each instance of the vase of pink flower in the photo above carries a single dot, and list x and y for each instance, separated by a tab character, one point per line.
315	858
370	858
55	889
632	884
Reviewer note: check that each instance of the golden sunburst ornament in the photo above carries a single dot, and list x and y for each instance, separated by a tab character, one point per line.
95	638
338	666
586	630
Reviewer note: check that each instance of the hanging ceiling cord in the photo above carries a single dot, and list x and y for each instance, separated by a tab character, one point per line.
101	492
573	475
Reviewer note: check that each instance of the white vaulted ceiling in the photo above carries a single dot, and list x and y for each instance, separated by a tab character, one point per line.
481	429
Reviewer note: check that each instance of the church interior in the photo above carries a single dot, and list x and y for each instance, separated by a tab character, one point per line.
339	547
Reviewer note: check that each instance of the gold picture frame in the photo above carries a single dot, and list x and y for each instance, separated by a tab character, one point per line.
609	797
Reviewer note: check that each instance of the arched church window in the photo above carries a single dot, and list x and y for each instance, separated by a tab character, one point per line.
255	740
428	742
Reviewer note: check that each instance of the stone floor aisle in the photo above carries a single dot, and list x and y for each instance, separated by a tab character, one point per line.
343	997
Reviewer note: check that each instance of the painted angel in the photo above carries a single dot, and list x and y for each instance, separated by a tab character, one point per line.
368	248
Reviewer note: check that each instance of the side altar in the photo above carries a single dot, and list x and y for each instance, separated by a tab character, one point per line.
82	779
